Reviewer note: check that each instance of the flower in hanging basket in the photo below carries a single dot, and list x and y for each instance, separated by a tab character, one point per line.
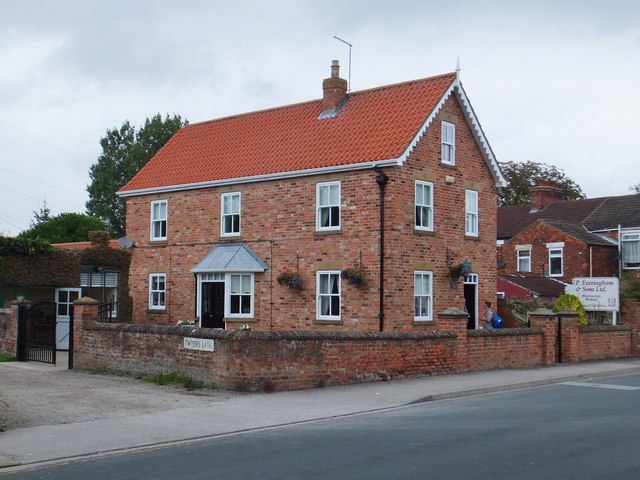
460	270
291	280
353	275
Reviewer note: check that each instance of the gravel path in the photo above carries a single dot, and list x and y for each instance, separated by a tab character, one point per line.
32	395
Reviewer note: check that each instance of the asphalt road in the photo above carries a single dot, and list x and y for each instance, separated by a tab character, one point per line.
576	430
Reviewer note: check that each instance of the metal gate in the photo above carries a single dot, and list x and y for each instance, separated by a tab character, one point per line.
37	332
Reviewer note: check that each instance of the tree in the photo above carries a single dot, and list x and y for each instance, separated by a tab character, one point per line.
523	176
635	188
124	152
66	227
41	215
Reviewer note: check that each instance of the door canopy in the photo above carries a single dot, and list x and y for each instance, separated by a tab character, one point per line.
230	257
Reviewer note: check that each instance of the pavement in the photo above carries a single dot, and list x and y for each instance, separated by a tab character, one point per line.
27	447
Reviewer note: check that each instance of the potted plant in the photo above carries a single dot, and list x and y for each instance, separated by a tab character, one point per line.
353	275
459	270
290	279
186	323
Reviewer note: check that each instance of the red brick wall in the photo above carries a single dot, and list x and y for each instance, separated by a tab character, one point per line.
576	254
8	330
265	361
278	223
630	315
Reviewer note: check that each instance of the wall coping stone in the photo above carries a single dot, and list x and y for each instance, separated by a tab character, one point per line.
453	312
567	313
86	301
605	328
505	332
267	335
542	312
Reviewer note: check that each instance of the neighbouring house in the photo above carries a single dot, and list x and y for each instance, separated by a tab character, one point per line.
557	240
96	269
358	211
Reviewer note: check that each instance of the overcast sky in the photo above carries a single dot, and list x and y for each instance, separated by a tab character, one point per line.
553	82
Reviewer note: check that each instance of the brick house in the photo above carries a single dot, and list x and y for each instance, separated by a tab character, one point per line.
398	182
562	239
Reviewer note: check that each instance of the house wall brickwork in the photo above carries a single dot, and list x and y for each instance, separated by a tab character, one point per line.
278	222
579	259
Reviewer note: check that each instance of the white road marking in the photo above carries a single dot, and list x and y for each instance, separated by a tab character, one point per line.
600	385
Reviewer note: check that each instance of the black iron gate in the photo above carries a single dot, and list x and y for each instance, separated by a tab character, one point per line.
37	332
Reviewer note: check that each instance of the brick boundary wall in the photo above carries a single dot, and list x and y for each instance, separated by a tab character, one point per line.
295	359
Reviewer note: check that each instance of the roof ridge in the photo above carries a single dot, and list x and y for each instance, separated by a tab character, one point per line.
306	102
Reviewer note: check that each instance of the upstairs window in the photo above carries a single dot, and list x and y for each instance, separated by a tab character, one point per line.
157	291
630	243
471	213
424	206
448	143
159	220
328	206
328	295
556	259
422	296
230	214
524	258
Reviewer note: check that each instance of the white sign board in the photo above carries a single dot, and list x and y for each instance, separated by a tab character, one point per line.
202	344
597	294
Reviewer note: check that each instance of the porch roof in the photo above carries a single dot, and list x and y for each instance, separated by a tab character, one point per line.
230	257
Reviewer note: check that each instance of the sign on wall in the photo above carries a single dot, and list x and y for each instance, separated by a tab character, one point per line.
599	294
202	344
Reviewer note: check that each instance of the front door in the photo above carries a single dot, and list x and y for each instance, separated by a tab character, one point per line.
212	307
471	299
64	299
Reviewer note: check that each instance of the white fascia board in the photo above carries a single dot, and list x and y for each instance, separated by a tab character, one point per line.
261	178
480	137
472	120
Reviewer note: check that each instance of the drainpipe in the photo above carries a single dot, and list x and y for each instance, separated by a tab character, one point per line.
381	180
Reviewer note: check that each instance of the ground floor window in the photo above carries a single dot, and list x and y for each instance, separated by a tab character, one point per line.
101	284
240	293
328	295
422	295
157	291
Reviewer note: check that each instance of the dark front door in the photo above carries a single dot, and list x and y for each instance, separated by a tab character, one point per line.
213	305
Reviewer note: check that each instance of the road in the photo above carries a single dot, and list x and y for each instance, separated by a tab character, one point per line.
575	430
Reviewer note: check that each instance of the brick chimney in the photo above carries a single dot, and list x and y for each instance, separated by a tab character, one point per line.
544	194
334	91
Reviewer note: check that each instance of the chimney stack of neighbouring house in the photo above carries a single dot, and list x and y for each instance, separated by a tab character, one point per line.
334	90
544	194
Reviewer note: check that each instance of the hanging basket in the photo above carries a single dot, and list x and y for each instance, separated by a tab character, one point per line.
353	276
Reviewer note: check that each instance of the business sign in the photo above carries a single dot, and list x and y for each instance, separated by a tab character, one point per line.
598	294
202	344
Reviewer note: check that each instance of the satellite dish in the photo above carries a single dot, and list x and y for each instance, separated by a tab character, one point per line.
125	242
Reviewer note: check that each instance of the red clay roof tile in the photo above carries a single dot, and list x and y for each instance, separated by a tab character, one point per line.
373	125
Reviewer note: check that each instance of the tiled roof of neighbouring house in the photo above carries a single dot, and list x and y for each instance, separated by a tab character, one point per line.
579	232
539	285
614	211
372	126
512	220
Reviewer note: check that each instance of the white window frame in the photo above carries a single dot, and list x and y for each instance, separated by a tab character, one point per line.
448	148
230	293
158	220
426	207
420	296
471	209
329	205
519	249
157	296
556	250
320	295
226	214
628	238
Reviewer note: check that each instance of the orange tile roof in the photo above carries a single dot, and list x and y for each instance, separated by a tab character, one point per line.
373	125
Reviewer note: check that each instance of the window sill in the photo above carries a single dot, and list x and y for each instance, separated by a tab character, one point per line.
327	322
425	233
161	311
423	323
158	242
447	165
473	238
240	320
327	232
229	238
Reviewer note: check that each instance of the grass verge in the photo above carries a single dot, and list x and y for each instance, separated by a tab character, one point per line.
5	357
